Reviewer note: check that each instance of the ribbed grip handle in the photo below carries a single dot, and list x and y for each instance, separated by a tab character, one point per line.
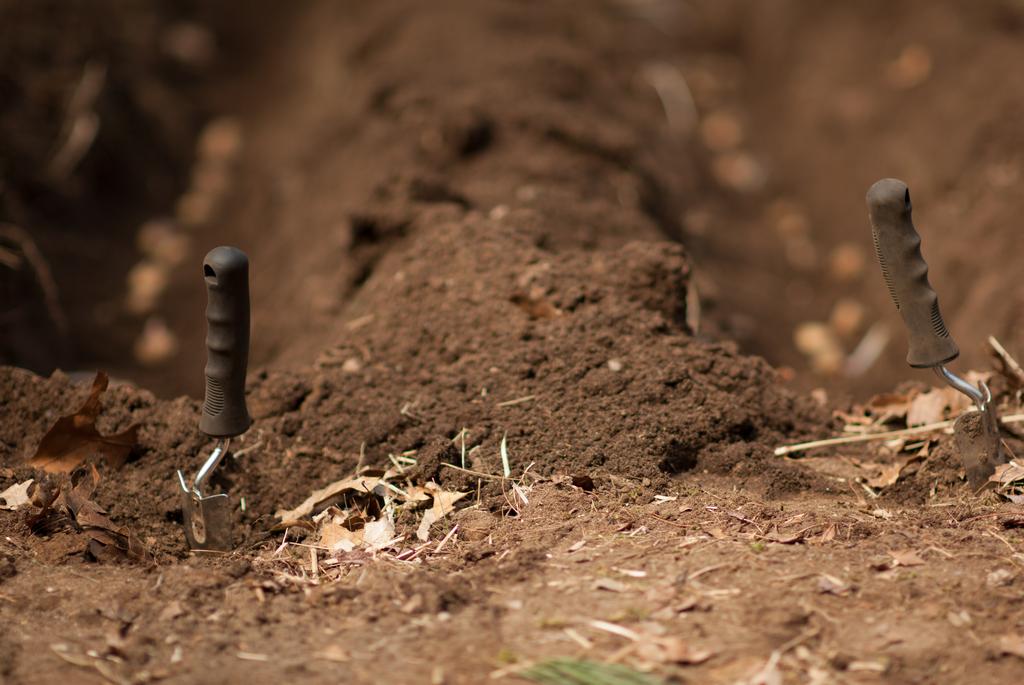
899	254
226	271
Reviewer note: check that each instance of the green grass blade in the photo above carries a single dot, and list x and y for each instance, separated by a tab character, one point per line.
573	672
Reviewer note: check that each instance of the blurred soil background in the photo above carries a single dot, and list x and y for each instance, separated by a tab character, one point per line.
792	111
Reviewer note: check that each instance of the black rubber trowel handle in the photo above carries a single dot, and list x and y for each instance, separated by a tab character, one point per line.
226	270
899	253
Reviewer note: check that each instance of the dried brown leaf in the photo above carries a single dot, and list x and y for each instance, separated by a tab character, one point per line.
828	535
107	540
959	619
716	533
610	585
1012	644
888	474
377	534
832	585
335	653
444	500
364	485
293	523
888	406
906	557
956	400
852	418
74	438
1007	473
786	538
1001	577
883	408
928	407
335	536
444	504
417	493
672	650
173	610
769	674
430	517
16	496
45	517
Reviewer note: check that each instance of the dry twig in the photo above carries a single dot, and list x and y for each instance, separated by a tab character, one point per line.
1012	367
887	435
42	272
478	474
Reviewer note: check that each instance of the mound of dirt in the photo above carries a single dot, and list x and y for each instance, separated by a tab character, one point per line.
500	268
578	359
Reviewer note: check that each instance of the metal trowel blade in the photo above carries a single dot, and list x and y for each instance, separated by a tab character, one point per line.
207	519
977	439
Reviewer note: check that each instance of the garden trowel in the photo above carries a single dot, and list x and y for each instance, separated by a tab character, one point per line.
898	247
207	518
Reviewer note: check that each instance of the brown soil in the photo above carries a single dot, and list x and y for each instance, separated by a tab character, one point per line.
481	217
